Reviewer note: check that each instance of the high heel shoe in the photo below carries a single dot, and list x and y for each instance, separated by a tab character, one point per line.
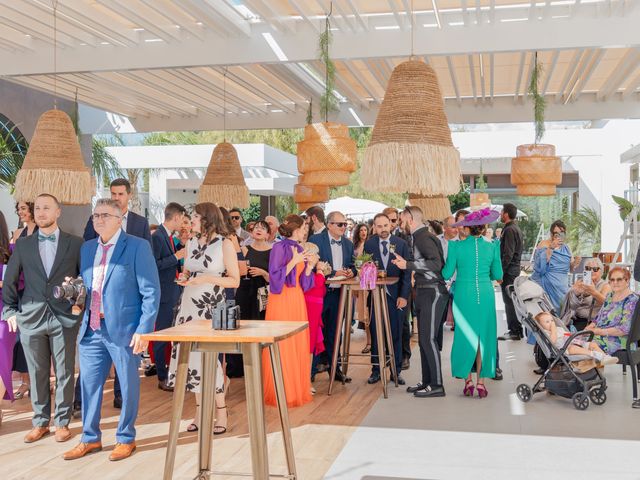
367	348
468	388
221	429
482	390
22	391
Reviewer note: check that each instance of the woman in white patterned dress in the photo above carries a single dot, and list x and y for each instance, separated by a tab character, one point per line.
210	267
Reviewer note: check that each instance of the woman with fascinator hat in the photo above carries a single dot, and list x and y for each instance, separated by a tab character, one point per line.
476	264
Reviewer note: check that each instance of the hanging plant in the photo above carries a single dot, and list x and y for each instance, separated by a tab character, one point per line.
328	101
481	183
310	112
539	102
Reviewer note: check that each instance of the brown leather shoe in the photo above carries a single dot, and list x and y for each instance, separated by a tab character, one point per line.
36	434
81	450
122	451
164	387
62	434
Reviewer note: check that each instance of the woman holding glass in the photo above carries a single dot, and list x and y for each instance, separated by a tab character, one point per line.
256	257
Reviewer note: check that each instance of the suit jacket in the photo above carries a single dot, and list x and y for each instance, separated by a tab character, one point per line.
403	286
137	225
323	242
168	265
37	298
130	289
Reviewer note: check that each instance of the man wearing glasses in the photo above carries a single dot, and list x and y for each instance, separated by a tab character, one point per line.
236	221
337	250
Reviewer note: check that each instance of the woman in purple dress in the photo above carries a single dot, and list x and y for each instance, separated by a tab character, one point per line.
7	338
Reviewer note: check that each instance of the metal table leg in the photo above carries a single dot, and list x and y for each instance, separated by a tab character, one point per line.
184	349
382	356
276	366
336	345
208	388
387	329
252	358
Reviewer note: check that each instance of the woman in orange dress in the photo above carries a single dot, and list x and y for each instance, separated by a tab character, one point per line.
289	277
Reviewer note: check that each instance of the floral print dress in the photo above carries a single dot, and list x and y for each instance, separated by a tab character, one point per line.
615	315
197	302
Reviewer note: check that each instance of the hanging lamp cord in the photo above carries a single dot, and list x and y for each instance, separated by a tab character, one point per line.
412	29
327	27
224	105
54	6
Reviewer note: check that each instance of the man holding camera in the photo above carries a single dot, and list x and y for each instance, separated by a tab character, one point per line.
123	294
48	328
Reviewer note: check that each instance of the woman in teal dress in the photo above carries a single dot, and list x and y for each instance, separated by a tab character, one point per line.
476	264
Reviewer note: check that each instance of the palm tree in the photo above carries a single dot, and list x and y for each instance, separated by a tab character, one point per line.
11	159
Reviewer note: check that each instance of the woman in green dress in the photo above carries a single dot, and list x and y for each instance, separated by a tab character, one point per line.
477	263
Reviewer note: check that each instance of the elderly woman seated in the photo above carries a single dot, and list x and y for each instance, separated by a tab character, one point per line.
613	322
585	298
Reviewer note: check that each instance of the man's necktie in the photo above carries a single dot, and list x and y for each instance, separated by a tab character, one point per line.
385	250
45	238
96	293
336	242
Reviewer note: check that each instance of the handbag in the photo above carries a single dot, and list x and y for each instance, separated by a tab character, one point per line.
263	297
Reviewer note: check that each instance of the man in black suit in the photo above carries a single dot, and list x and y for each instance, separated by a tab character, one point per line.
133	224
48	327
511	246
168	262
380	247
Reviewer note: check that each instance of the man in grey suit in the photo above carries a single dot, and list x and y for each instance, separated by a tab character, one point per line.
48	328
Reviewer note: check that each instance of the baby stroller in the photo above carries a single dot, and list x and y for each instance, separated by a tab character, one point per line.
562	377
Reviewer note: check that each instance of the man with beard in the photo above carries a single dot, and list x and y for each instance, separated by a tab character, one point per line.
381	246
48	327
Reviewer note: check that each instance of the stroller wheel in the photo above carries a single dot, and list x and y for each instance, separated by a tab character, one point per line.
598	396
580	401
524	392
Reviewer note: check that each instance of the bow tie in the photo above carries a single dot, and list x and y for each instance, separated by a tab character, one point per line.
336	242
44	238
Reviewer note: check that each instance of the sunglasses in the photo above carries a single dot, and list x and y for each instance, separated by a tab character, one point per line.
235	217
339	224
393	220
617	279
592	269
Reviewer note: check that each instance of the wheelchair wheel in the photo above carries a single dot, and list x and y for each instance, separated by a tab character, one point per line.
524	392
580	401
598	396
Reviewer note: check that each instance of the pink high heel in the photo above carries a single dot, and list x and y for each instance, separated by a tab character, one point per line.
468	388
482	391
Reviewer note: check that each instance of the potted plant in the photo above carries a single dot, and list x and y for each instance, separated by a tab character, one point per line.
361	259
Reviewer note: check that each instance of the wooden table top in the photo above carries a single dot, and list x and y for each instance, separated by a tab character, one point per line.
250	331
356	281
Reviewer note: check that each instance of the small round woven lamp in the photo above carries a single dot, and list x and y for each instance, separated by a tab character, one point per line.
536	170
310	193
327	154
224	183
410	148
54	163
433	208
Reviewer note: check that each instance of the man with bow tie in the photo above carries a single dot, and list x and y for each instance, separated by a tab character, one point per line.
48	328
337	250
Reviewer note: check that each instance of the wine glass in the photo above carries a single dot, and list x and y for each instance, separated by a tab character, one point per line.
246	276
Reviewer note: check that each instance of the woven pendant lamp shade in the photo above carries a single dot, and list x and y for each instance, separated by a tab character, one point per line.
310	193
224	183
54	163
433	208
536	170
327	155
410	148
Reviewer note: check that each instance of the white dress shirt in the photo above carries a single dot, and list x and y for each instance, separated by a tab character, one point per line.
96	263
336	253
48	250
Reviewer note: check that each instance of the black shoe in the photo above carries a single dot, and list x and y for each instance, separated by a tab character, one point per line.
77	411
406	363
415	388
635	404
429	391
510	336
400	380
539	371
162	385
498	374
117	402
150	371
340	377
374	378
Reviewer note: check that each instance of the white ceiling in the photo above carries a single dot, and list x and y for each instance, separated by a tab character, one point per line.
162	62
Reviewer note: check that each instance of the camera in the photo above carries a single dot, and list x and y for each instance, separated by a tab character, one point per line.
225	316
74	291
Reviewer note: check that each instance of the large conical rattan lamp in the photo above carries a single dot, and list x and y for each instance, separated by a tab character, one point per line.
433	208
410	148
224	183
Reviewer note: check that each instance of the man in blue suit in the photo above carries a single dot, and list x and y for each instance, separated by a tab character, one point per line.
123	294
337	251
380	246
133	224
168	262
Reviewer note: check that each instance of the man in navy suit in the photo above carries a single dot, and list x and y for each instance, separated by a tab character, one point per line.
168	262
133	224
380	246
123	294
337	250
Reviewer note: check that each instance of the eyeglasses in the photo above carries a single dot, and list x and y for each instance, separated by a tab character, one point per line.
617	279
103	216
235	217
339	224
592	269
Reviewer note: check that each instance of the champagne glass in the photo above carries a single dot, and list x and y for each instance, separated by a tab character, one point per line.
246	276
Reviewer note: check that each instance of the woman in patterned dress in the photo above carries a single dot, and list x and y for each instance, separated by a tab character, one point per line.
210	267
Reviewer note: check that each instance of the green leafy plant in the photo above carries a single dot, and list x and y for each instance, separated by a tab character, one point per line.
11	159
363	258
624	206
539	102
328	101
481	184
